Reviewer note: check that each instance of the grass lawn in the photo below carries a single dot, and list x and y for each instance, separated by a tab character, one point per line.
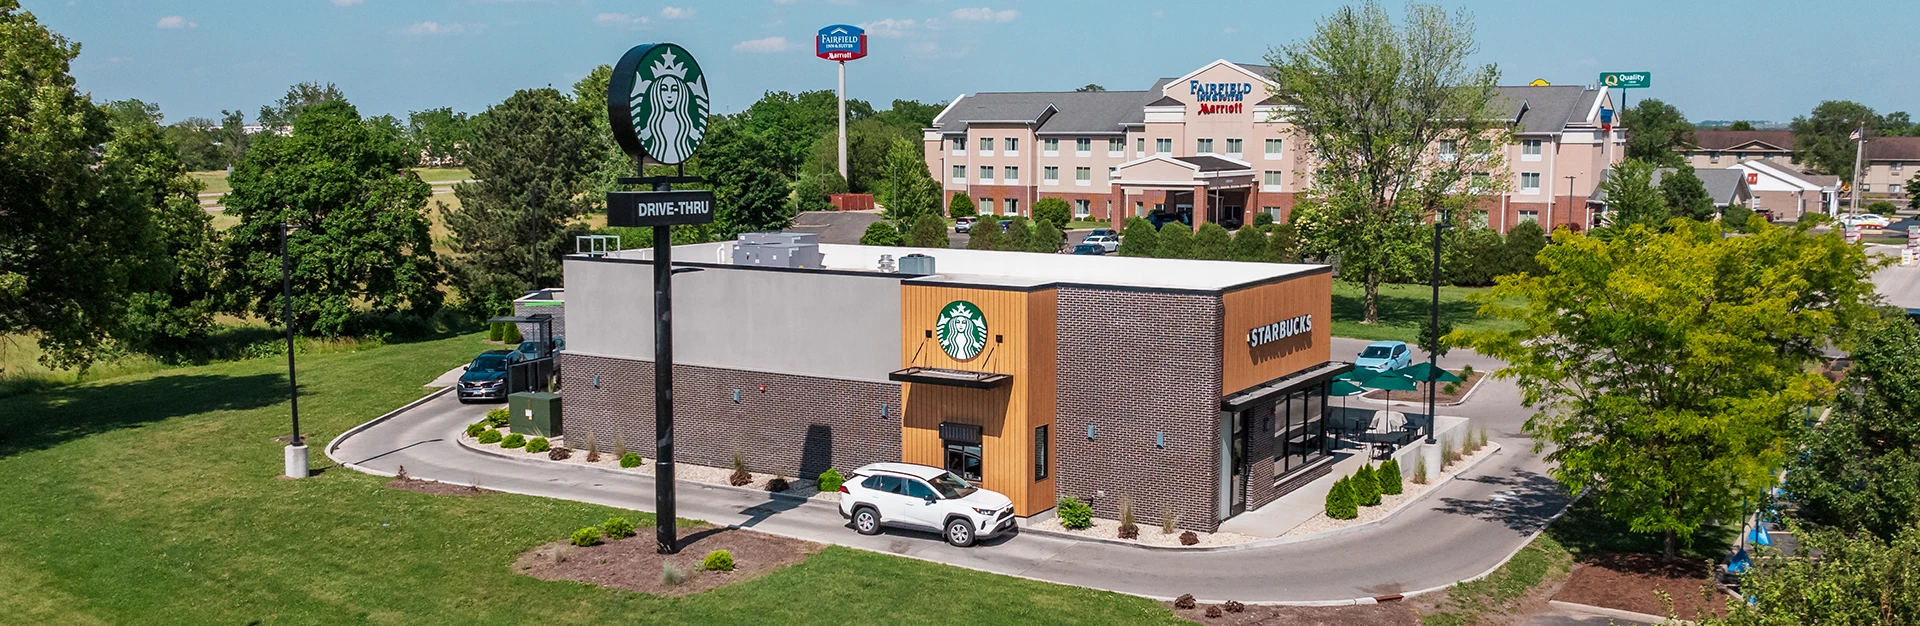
151	498
215	181
1404	310
442	174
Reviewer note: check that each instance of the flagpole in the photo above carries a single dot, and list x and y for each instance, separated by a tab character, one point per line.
1859	146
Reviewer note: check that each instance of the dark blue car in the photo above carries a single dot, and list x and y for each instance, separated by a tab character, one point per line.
485	378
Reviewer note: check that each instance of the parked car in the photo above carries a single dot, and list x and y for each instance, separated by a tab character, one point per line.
1105	232
964	224
928	498
1382	356
531	349
1865	220
1088	248
485	378
1108	243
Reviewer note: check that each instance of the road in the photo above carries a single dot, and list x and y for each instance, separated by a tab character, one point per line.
1461	530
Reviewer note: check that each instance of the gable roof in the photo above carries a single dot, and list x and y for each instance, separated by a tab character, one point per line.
1724	186
1893	148
1545	110
1714	139
1791	174
1053	111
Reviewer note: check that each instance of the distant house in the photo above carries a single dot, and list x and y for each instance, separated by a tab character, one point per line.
1721	148
1788	192
1890	163
1727	187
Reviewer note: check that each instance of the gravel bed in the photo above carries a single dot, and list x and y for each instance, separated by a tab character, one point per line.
1149	535
1320	523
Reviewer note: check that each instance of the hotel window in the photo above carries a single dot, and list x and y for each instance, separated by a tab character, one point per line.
986	204
1139	209
1082	208
986	174
1013	146
959	146
1082	147
986	146
1270	180
1140	146
1163	145
1273	148
1272	211
1530	182
1083	176
1233	147
1050	147
1449	149
1482	182
1050	175
1530	150
1012	175
1203	146
1116	147
1113	173
1893	189
959	173
1896	166
1530	216
1013	207
1739	156
1040	453
1715	157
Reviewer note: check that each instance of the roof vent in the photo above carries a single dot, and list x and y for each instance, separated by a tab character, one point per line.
916	265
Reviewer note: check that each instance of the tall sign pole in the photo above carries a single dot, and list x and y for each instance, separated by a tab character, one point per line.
657	104
841	43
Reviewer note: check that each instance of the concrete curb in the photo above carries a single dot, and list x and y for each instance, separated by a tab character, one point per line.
335	443
1278	541
1463	398
462	442
1614	613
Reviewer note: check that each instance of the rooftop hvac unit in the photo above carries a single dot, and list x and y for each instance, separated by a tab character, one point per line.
916	265
777	250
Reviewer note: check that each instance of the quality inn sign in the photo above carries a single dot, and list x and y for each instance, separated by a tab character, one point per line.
657	103
962	330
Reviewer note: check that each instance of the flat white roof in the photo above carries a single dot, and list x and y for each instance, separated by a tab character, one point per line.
1025	269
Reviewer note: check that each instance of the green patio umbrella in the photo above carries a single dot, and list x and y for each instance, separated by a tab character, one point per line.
1343	388
1390	382
1426	373
1357	375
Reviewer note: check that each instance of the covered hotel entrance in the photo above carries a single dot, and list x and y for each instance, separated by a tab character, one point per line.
1192	190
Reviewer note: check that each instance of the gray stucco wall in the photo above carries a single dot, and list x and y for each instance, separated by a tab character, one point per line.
788	322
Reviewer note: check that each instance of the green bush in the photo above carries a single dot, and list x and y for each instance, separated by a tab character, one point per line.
1262	219
1138	239
496	418
718	561
630	460
1736	217
929	231
1019	234
1175	241
515	440
511	334
1249	244
1340	503
495	331
474	429
617	528
985	234
490	436
1212	242
881	234
1073	513
1056	210
1389	478
584	537
1046	238
1366	490
538	444
961	206
830	480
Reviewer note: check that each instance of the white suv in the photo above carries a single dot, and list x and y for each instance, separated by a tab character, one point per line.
1109	243
921	497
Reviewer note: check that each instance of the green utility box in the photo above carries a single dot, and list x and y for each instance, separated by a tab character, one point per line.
534	413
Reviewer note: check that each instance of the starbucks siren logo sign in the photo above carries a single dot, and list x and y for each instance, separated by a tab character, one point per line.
962	330
657	103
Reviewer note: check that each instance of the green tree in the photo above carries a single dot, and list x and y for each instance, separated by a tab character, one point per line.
1821	140
1740	125
531	156
881	234
749	193
1631	197
795	123
172	297
1046	237
1019	236
1896	124
362	244
1656	131
1861	466
1249	244
1138	239
1052	209
1473	257
1686	196
232	138
961	206
1366	94
1212	242
1091	87
813	192
985	235
1525	240
869	142
441	133
196	141
1856	580
1283	245
910	191
929	231
1607	345
285	111
1175	241
1736	217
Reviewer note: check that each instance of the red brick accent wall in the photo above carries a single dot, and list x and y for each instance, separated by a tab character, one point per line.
1133	364
799	427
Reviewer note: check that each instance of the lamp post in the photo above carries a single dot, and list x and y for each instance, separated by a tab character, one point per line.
296	452
1589	224
1433	350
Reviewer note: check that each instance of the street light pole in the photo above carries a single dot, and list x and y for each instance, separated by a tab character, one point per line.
296	454
1433	350
1589	225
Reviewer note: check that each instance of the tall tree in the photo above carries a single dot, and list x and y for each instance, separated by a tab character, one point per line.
910	191
794	123
1821	139
1670	369
1740	125
232	138
1897	124
532	156
172	297
1091	87
1656	131
440	133
1861	466
1836	579
285	111
1053	210
1373	99
362	245
1686	196
929	231
749	193
1524	242
1631	196
196	140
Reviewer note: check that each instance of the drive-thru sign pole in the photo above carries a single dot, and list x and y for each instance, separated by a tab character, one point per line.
657	104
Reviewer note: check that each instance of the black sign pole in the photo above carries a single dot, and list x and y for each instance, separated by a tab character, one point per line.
663	383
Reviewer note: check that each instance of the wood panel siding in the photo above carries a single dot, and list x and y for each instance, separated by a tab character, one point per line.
1253	307
1016	346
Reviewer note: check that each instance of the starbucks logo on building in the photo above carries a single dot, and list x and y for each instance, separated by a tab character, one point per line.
962	330
657	103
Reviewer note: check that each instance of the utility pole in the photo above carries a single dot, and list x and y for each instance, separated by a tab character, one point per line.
1859	147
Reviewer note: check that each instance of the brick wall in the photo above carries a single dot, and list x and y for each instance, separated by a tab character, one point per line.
1133	364
800	426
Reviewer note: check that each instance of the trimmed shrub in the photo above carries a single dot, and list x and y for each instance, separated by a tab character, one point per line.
985	234
961	206
559	454
830	480
1213	611
929	231
474	429
778	484
1185	601
718	561
1366	487
538	444
630	460
496	418
1389	478
511	334
881	233
617	528
1055	210
1262	219
1249	244
1233	606
739	477
584	537
491	436
495	331
1175	241
1047	238
1019	234
1340	504
1212	243
1073	513
1187	538
515	440
1138	238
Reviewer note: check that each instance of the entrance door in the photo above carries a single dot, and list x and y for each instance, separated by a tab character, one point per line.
1238	503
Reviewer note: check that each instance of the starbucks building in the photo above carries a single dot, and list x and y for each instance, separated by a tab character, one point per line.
1191	387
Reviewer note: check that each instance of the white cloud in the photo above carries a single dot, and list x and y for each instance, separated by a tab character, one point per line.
621	19
984	14
436	28
675	13
1230	30
1159	14
174	21
769	44
890	28
346	3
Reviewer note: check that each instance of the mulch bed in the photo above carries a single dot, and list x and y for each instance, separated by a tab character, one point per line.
434	488
1389	614
1632	582
633	565
1420	393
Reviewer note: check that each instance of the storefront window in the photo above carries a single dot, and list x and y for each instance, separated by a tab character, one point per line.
1300	437
1040	449
964	459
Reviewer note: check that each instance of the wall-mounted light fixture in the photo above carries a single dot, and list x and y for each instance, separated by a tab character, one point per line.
1089	432
736	396
596	381
1160	439
883	410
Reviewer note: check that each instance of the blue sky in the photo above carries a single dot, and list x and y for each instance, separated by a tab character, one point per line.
1760	59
